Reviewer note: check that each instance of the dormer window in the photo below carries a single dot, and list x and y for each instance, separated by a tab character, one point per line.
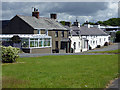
39	31
62	34
56	33
46	32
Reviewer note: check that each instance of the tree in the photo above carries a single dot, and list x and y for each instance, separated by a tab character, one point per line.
16	39
117	36
62	22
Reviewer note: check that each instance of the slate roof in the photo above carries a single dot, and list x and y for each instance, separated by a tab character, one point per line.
42	23
87	31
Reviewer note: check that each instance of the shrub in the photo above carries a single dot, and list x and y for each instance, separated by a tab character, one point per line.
9	54
98	46
16	39
106	44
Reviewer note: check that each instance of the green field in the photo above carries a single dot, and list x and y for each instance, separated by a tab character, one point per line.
72	71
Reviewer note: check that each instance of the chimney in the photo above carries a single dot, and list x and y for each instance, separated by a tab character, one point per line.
76	23
86	24
67	24
53	16
35	13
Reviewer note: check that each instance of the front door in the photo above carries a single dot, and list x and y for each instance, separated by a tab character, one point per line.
64	46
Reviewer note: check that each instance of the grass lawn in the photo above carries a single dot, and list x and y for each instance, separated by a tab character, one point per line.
112	51
72	71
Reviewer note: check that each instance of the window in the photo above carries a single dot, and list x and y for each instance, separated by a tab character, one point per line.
38	31
104	39
31	43
34	42
74	45
56	33
41	43
46	32
85	44
63	45
79	44
91	42
56	44
62	34
25	43
100	39
46	42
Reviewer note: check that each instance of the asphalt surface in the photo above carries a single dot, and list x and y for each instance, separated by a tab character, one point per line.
107	48
110	47
55	54
115	84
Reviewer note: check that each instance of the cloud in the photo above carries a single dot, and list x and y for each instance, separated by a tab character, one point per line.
66	10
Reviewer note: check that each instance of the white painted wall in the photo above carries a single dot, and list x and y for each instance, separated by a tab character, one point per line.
93	42
76	39
84	45
81	44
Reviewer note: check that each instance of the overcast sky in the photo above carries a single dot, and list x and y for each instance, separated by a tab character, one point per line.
67	11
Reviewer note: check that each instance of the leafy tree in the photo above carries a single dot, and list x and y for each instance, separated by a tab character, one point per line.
100	22
118	36
62	22
16	39
110	22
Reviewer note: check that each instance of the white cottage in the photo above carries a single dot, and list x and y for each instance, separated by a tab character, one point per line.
85	38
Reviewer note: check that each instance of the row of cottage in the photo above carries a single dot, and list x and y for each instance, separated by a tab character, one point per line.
47	35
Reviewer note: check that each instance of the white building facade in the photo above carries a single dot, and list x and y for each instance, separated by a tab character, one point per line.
84	38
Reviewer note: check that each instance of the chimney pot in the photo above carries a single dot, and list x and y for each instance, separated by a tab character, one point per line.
53	16
35	13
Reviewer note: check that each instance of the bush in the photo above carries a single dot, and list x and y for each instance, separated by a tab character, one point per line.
9	54
98	46
106	44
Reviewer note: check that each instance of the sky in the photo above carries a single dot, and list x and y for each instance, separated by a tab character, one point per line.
66	11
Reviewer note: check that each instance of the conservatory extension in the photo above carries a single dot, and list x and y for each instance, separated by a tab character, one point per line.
29	43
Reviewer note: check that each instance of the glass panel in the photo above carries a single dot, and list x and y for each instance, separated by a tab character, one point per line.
40	43
31	43
25	44
36	43
46	42
36	38
32	39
